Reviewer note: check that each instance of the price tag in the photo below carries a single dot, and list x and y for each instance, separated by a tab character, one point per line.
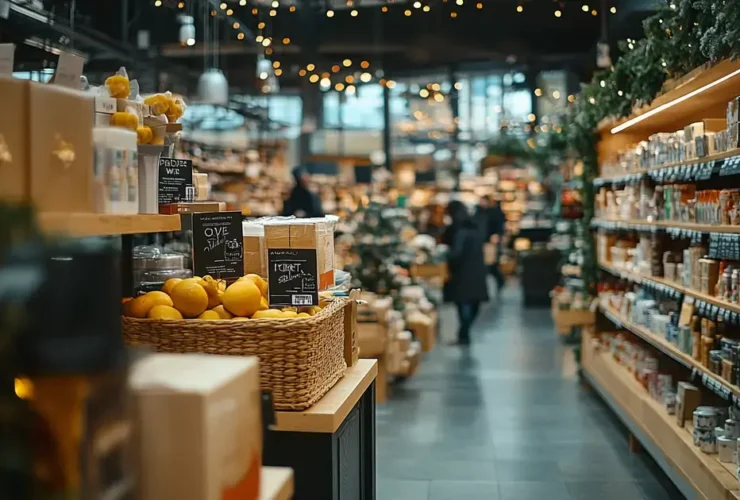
69	70
175	181
293	277
7	53
218	245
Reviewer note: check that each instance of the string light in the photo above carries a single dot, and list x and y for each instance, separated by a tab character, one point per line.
613	10
350	89
278	72
620	93
266	42
240	36
286	41
594	12
353	13
242	2
417	4
325	83
407	13
273	13
366	77
453	15
436	87
310	67
223	6
158	3
538	92
347	63
556	94
268	51
335	68
292	8
255	12
602	83
258	38
229	12
181	5
531	117
339	86
390	84
382	82
276	64
275	4
329	13
591	100
384	8
261	25
424	93
479	6
313	78
558	13
349	79
519	8
426	8
263	75
364	64
458	85
235	26
439	97
459	2
584	8
302	72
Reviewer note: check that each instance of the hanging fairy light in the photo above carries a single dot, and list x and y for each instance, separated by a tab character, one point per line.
424	93
407	13
417	4
335	68
585	7
292	8
366	77
613	10
347	63
313	78
325	83
538	92
273	13
390	84
558	13
479	6
353	13
339	87
426	8
384	8
365	64
329	13
519	9
350	89
158	3
278	72
242	2
453	15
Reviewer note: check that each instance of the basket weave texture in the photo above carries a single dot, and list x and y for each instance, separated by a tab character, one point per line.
300	359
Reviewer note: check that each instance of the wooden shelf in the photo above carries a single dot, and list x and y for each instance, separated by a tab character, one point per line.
82	225
672	351
329	413
705	159
720	83
696	474
667	224
639	278
276	483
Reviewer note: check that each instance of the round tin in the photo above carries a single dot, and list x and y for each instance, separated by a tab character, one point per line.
705	417
731	428
708	446
727	448
702	435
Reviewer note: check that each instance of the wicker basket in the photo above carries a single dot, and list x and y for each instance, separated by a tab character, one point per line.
300	359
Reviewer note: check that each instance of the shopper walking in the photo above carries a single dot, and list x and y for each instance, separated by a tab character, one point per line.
302	202
466	286
494	232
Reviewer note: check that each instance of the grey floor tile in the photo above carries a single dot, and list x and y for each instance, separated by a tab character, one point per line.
468	490
604	490
509	410
399	489
534	490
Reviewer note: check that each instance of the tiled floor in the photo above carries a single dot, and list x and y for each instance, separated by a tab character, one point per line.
506	419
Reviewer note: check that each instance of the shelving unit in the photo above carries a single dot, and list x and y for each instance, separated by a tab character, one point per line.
694	473
703	94
83	225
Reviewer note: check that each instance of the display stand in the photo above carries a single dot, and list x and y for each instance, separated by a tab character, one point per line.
330	446
276	483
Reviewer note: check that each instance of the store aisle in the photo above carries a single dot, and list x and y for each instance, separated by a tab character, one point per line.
507	420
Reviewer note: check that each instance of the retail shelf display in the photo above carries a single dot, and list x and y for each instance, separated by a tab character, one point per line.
696	474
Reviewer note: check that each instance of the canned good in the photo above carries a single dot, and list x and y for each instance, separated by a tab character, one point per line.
669	402
708	446
734	412
727	448
703	435
731	428
705	417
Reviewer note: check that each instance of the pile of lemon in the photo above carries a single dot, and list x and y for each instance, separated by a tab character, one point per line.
210	299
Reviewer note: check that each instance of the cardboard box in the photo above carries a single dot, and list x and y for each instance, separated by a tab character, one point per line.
14	161
307	234
254	249
688	399
200	426
61	149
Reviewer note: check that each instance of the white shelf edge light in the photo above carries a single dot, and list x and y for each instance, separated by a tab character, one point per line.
663	107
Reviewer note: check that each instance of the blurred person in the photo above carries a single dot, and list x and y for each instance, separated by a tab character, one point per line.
492	222
466	286
302	202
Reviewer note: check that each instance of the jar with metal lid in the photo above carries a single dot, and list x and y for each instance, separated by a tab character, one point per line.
705	418
153	266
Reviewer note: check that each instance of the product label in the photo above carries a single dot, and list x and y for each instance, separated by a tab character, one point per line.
175	181
292	274
69	70
218	245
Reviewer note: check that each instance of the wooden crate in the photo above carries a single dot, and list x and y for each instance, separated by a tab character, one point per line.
566	319
430	271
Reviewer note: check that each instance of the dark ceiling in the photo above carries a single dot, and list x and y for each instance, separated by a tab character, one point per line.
482	34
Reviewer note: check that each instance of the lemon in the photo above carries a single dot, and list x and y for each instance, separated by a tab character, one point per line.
242	298
264	306
290	314
222	313
196	279
310	310
269	313
209	315
140	306
170	284
189	298
164	312
215	300
304	315
260	282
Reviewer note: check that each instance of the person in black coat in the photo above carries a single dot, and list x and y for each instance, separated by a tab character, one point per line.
302	202
466	286
492	221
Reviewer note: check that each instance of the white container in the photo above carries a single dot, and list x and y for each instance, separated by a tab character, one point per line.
149	179
731	428
116	170
727	448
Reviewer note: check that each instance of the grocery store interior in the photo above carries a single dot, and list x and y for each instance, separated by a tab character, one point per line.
369	249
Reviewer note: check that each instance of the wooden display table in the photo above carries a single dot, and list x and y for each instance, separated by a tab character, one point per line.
276	483
330	446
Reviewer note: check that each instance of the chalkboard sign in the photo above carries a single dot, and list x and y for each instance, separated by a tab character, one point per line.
175	181
292	274
218	244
